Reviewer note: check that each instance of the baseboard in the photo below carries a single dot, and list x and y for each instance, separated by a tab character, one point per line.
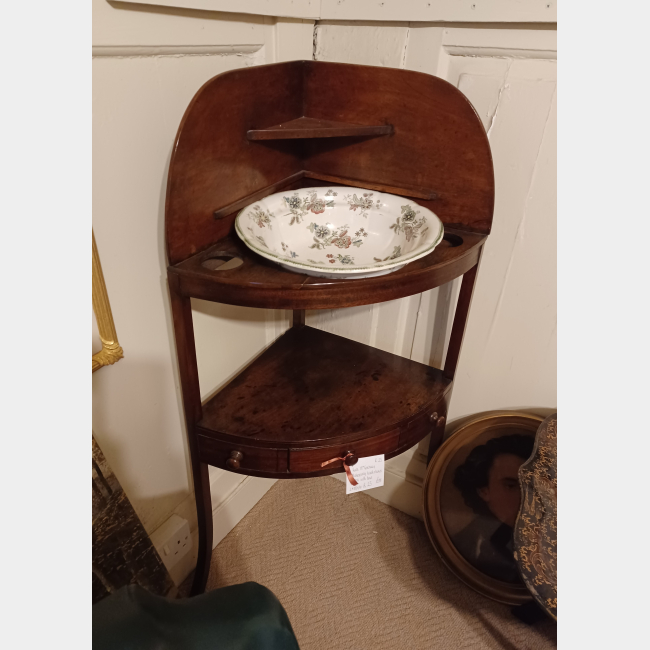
228	510
233	496
397	491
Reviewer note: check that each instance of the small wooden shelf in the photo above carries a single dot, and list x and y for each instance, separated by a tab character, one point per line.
261	283
313	395
235	206
308	127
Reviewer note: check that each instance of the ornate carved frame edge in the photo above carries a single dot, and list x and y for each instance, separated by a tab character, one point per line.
111	350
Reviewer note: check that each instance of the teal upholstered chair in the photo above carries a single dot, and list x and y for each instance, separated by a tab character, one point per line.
241	617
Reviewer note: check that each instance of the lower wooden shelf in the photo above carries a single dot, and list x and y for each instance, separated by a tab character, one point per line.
313	396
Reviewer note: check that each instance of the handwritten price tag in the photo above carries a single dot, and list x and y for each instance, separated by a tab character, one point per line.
368	472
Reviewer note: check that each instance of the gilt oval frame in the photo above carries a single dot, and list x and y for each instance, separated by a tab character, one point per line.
503	592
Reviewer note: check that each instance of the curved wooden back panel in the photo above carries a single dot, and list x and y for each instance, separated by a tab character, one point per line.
438	145
213	163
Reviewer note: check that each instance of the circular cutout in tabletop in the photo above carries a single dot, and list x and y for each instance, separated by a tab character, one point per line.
222	262
452	240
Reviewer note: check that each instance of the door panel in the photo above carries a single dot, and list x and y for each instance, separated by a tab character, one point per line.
508	358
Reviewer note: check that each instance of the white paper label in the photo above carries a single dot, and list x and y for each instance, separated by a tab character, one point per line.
368	472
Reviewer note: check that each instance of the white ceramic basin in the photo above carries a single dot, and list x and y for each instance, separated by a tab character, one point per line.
339	232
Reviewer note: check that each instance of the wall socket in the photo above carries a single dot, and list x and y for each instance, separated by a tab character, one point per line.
173	542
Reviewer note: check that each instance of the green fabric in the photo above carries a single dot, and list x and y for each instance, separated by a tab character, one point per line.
241	617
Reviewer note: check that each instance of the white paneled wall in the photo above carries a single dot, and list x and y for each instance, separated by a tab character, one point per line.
147	65
494	11
148	62
509	354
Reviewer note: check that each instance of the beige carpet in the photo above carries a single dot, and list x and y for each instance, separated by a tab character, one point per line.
355	574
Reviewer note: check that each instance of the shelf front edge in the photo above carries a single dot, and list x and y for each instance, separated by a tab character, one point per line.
306	295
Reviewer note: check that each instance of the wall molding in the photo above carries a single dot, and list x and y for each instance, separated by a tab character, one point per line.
502	52
229	509
479	11
484	42
137	51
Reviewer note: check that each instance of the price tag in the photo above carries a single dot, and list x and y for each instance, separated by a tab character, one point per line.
368	472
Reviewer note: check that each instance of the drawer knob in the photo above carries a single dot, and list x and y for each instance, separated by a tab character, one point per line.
441	421
234	462
434	417
350	459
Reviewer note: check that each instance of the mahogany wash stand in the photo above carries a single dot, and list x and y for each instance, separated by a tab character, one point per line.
313	396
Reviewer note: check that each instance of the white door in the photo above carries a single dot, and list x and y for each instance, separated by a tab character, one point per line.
149	61
509	353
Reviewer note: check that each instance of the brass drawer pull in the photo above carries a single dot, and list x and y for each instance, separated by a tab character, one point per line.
234	462
439	421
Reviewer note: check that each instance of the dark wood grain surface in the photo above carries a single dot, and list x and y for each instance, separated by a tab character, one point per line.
189	376
259	282
233	208
365	183
308	461
312	395
305	178
312	388
254	459
213	164
307	127
438	144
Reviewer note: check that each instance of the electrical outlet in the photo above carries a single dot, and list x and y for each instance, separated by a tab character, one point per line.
173	542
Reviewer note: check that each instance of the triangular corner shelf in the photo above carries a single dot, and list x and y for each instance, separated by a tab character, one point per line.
309	127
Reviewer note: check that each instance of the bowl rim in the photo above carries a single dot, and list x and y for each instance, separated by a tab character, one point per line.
401	261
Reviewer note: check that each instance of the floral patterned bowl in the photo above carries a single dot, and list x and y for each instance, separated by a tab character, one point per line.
339	232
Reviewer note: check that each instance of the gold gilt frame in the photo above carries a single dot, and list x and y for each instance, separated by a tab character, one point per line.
111	350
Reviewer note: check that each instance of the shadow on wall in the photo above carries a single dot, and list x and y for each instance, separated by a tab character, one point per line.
438	332
142	410
220	356
454	425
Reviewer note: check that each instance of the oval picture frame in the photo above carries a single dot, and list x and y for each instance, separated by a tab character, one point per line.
480	428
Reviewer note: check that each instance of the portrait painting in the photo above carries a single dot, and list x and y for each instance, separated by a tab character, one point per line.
472	499
481	497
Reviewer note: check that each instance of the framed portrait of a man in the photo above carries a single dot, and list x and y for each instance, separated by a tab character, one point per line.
472	498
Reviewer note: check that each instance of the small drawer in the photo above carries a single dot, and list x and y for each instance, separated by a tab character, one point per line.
416	429
306	461
430	421
257	459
